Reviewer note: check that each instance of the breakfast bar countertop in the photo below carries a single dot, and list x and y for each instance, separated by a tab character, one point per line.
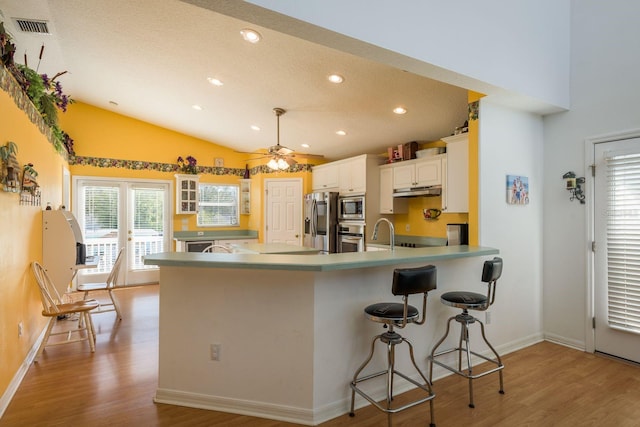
279	259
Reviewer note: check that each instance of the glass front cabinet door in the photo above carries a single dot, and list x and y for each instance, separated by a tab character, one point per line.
245	196
187	194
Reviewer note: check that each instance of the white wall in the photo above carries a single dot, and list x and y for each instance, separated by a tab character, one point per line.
605	77
511	143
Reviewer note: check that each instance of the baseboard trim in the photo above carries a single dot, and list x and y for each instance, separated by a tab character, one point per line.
235	406
12	388
567	342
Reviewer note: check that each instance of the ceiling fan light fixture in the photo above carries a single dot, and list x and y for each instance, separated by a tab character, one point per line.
252	36
273	164
282	164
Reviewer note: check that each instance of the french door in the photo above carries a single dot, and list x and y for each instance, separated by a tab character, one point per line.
617	254
114	214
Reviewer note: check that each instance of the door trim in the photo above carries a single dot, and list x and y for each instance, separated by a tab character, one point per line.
589	149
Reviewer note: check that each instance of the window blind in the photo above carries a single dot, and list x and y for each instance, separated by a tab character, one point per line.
218	205
100	211
623	241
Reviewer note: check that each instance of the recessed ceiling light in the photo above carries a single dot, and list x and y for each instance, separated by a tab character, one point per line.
215	81
196	107
341	133
254	127
335	78
400	110
252	36
304	145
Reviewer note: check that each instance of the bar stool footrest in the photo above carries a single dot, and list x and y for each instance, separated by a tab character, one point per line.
499	366
423	387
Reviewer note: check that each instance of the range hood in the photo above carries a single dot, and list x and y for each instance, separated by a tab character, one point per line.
435	190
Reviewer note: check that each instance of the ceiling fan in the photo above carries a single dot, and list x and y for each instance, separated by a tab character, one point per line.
280	157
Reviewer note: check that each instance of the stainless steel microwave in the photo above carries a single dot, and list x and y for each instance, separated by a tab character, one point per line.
351	207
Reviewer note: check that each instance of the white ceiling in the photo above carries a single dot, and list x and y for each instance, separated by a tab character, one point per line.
152	58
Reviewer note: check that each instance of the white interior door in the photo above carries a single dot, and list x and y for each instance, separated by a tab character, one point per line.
131	214
617	255
283	211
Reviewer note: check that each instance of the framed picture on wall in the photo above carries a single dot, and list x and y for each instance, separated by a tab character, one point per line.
517	190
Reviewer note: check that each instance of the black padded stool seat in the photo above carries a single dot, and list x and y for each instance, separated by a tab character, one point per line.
491	272
462	299
391	312
406	281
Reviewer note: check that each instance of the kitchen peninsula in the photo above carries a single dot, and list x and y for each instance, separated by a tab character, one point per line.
280	335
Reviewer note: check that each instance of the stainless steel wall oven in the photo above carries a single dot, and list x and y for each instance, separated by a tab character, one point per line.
351	237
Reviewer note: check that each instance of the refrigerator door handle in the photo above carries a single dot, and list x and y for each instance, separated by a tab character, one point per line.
314	218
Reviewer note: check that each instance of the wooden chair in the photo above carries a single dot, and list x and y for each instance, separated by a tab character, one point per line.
54	309
109	285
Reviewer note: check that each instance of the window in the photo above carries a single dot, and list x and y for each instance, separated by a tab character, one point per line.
623	241
218	205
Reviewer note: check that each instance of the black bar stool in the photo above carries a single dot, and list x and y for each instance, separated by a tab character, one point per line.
406	281
491	272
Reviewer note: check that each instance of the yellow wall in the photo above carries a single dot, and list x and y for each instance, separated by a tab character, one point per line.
21	240
98	133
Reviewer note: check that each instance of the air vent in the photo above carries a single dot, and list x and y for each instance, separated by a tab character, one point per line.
32	26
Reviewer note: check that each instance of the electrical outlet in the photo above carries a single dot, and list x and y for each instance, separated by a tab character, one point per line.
200	233
407	227
20	329
216	349
487	317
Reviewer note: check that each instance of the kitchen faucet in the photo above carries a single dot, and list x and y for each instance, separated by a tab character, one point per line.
391	231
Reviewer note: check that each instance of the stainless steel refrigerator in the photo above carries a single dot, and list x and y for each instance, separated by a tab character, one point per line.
320	221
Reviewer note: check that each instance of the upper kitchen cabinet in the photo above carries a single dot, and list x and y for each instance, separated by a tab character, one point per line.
325	177
455	189
388	203
187	194
352	175
424	172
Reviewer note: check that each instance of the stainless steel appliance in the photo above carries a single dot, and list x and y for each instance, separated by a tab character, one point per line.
320	221
457	234
351	208
197	245
351	237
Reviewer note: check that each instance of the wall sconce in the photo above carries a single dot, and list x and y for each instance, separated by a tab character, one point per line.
574	185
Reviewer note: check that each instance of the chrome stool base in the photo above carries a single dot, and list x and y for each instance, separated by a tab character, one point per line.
465	319
391	339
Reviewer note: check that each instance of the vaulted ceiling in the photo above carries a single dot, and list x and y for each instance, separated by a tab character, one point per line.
151	60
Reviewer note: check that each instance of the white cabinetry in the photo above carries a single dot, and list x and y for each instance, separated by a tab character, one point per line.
388	203
325	177
353	175
455	189
187	194
418	173
61	246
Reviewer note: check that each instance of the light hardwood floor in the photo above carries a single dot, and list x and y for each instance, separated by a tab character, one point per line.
546	385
